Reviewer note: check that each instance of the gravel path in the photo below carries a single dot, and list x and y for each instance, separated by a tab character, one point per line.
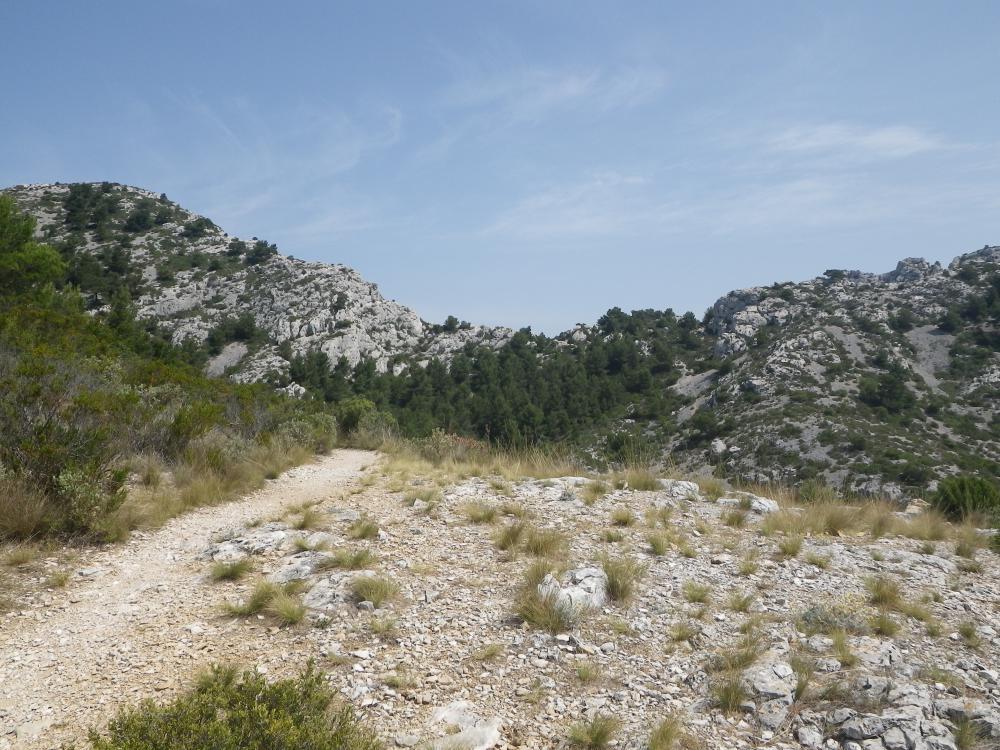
139	619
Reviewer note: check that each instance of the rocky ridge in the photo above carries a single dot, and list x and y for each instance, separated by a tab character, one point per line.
795	358
193	279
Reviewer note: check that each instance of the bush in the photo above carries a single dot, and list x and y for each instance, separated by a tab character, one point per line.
226	712
962	496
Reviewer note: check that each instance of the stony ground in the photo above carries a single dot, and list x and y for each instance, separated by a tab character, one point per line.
789	640
139	620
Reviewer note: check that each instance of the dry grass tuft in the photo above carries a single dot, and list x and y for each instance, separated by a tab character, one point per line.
623	573
594	491
622	516
659	542
479	513
637	479
883	591
347	559
374	589
729	693
544	542
308	519
509	536
594	733
363	528
231	571
278	602
789	547
697	593
286	608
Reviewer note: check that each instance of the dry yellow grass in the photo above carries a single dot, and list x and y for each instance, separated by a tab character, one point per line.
196	484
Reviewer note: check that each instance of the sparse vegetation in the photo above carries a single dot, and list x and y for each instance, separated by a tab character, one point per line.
479	513
544	542
594	491
883	591
374	589
363	528
659	542
278	602
346	559
622	573
231	571
227	711
622	516
789	546
510	536
697	593
595	733
729	693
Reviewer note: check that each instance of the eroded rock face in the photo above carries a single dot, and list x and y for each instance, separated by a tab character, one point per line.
298	304
797	355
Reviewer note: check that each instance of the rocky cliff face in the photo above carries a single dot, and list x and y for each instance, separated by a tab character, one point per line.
861	378
193	276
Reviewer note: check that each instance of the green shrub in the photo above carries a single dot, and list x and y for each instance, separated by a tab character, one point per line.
962	496
226	712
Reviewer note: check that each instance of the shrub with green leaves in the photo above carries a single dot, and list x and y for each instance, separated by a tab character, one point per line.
963	496
227	711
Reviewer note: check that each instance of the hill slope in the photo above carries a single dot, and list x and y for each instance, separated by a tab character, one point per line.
862	377
874	383
194	279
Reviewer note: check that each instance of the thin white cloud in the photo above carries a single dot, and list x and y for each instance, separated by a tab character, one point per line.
529	94
895	141
602	205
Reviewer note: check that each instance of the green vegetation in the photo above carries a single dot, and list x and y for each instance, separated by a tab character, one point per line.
226	711
535	389
594	733
964	496
82	395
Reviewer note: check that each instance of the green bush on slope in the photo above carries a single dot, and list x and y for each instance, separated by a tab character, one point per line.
80	395
964	496
230	712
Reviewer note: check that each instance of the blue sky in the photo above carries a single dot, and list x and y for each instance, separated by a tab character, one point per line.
530	163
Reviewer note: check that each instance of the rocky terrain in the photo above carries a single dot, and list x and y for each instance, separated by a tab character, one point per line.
860	378
750	623
194	276
876	384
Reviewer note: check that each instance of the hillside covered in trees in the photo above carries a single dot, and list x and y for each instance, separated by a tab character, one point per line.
874	383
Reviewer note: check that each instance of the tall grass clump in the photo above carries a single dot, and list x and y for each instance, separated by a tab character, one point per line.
374	589
544	609
509	536
594	733
544	542
622	574
231	571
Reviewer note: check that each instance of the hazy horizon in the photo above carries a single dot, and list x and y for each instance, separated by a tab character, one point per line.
530	165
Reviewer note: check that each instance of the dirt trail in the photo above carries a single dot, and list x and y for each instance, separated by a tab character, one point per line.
138	619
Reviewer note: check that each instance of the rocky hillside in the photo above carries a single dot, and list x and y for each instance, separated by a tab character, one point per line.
875	381
877	384
251	305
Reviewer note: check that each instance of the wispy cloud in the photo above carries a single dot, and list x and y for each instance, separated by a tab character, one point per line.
294	163
598	206
529	94
838	138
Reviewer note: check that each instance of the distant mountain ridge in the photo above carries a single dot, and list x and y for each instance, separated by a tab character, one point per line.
872	382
